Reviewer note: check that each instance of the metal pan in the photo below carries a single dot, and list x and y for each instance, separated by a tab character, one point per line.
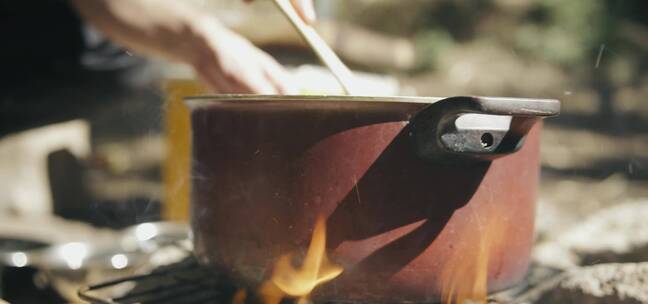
413	189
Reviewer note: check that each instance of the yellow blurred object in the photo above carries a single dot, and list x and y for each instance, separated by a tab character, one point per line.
176	168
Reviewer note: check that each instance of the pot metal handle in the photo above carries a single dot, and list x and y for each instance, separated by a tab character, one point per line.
439	136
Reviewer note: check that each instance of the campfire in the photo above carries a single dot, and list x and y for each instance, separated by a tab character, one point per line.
464	278
298	282
465	275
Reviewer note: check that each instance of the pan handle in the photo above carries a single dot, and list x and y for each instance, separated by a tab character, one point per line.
441	134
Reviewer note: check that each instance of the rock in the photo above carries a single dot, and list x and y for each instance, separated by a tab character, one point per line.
550	221
604	284
552	254
615	234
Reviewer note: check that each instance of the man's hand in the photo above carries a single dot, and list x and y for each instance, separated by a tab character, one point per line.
231	64
175	30
304	8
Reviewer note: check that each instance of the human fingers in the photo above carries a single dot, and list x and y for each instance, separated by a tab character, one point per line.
277	75
215	80
305	9
257	83
247	75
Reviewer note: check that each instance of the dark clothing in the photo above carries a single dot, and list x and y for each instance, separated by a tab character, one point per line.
37	36
54	68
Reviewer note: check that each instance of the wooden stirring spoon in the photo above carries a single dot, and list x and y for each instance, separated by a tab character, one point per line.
323	51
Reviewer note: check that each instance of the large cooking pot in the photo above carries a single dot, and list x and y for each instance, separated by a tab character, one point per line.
409	187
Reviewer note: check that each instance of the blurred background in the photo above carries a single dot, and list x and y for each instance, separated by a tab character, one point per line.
92	150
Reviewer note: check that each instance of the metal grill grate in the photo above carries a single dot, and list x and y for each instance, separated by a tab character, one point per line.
183	282
187	282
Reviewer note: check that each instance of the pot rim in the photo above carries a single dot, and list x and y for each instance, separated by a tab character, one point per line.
204	100
240	99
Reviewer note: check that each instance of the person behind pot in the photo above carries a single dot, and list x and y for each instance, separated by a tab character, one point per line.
175	30
56	68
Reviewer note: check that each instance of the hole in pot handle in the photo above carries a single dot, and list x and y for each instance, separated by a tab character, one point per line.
437	137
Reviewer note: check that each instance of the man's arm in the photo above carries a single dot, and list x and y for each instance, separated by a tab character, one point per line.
178	31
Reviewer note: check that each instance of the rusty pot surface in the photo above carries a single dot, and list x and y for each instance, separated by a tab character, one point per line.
409	187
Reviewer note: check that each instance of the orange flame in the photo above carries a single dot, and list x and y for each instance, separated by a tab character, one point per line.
239	297
288	280
465	275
